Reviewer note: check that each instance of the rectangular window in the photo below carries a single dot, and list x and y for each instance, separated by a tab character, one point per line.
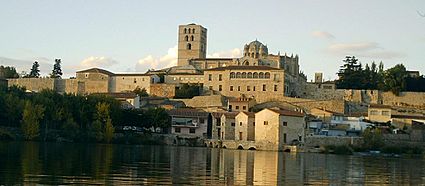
385	113
219	87
239	88
240	135
220	77
240	123
202	121
284	138
237	107
243	107
300	138
248	88
285	123
233	124
373	112
210	88
266	122
253	124
209	77
231	88
177	130
192	130
253	88
275	87
264	87
230	108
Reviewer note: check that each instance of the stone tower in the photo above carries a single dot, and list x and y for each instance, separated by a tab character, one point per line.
192	43
318	77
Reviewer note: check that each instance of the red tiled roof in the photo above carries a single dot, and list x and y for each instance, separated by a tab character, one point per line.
288	113
379	106
188	112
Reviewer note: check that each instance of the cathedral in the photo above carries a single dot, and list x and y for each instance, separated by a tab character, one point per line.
192	50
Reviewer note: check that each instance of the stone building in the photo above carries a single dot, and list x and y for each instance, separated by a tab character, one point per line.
255	64
242	103
245	126
276	128
379	113
250	81
189	122
228	124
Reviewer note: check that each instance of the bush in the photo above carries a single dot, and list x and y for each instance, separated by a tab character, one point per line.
340	149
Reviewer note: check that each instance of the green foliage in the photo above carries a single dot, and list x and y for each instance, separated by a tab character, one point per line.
8	72
158	117
372	139
6	134
35	71
394	78
57	69
187	91
31	120
141	92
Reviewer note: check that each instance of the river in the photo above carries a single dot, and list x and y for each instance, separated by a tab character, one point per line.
72	163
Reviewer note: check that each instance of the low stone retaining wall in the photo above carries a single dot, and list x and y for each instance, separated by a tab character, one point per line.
321	141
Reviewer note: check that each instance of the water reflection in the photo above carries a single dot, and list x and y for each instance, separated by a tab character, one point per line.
63	163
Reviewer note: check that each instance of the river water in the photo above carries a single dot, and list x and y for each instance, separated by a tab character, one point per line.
69	163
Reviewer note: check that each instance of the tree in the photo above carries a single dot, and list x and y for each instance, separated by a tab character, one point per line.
31	120
350	74
57	70
35	71
141	92
158	117
8	72
187	91
394	79
372	139
103	123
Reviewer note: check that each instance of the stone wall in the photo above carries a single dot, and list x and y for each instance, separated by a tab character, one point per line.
312	91
411	99
33	84
306	104
321	141
163	90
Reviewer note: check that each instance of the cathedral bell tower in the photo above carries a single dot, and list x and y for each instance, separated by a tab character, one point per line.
192	43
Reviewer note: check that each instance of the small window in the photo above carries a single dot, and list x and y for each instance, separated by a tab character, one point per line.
177	130
87	75
253	124
186	38
192	38
189	46
264	87
192	130
219	88
237	107
210	87
243	107
385	113
266	122
202	121
248	88
231	88
135	80
233	124
275	88
253	88
220	77
209	77
239	88
240	123
284	138
285	123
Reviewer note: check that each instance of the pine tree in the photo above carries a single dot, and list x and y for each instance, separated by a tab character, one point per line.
35	71
57	70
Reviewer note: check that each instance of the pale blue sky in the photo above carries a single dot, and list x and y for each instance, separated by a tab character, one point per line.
117	35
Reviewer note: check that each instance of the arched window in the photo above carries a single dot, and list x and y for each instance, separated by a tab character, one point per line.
255	75
256	55
238	75
191	38
267	75
193	30
249	75
261	75
186	38
243	74
189	46
246	63
232	75
185	30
